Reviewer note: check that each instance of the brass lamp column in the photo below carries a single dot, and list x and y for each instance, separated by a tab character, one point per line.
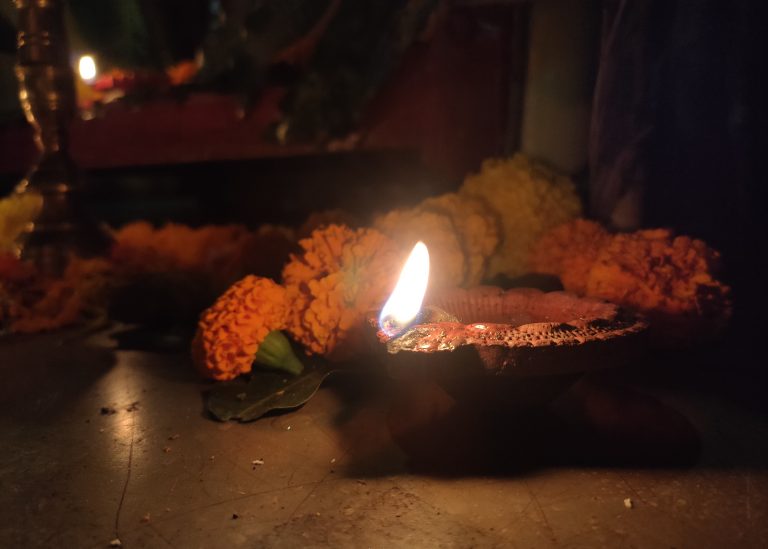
47	94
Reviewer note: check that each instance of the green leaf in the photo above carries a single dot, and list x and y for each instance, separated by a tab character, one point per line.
276	352
248	399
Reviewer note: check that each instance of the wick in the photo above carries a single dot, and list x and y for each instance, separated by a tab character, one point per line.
391	327
429	314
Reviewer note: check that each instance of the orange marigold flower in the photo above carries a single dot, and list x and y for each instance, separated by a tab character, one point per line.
45	303
141	247
341	274
569	251
670	276
671	279
223	254
229	332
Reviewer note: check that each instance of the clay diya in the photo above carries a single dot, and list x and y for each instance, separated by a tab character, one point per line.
521	346
475	369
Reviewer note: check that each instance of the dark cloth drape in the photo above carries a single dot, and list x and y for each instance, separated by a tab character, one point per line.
624	110
677	124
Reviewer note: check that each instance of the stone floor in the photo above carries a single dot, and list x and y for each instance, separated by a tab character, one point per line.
158	473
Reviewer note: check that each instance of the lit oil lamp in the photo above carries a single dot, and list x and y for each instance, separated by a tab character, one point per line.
474	368
511	341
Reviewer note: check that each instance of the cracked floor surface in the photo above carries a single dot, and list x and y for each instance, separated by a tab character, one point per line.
99	444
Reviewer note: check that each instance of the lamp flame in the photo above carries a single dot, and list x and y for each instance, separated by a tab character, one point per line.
405	301
87	68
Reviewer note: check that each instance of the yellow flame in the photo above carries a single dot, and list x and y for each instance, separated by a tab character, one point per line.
405	302
87	68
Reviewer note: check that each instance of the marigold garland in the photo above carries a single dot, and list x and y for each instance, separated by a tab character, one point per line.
672	279
229	332
34	302
569	251
341	275
478	229
210	258
141	247
223	254
448	264
500	222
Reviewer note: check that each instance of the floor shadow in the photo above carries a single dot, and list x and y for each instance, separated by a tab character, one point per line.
593	424
45	374
170	340
165	349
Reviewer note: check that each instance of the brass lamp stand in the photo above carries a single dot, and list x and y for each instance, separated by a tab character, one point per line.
47	94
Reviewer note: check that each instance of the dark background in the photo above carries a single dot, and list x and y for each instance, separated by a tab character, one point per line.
693	70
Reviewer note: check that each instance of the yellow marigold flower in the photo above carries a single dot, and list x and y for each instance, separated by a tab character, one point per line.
477	226
448	267
230	331
341	274
569	251
17	211
528	199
